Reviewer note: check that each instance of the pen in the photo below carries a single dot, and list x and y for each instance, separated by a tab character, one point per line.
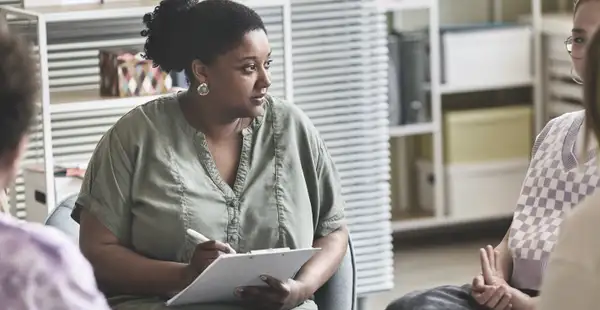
196	235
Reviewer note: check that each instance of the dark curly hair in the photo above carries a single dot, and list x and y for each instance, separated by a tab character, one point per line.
18	90
181	31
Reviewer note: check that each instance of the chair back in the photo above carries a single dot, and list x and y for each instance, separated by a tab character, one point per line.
60	218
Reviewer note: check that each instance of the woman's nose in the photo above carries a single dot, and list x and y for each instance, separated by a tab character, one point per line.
264	80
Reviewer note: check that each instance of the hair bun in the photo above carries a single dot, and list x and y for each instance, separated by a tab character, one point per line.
163	26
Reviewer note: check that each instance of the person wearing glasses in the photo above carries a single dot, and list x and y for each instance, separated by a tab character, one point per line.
573	268
562	172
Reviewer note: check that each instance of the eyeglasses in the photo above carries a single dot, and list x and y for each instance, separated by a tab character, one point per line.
574	48
569	45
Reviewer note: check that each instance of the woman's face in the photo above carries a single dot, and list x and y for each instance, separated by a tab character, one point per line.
585	23
239	79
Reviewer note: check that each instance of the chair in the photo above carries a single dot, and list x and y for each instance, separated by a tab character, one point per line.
339	293
60	218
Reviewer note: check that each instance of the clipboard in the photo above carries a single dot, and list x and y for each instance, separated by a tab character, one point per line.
218	282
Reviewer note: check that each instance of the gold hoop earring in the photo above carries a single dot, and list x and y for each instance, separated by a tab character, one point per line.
575	78
203	89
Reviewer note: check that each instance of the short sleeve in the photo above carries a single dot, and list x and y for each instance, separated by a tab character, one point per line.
330	202
106	188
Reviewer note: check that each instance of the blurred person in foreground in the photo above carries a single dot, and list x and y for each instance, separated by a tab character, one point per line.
40	268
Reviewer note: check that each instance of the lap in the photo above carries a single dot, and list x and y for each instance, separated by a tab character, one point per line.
135	303
449	297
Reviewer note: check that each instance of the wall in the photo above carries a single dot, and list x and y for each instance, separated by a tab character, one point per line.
452	12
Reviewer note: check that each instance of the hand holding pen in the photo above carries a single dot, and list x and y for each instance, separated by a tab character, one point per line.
206	251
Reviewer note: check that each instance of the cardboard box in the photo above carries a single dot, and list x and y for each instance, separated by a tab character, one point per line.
36	207
487	56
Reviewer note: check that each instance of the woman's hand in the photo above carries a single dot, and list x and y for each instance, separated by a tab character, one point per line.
276	296
204	254
489	288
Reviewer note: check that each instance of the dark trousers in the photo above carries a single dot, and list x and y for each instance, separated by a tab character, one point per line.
447	297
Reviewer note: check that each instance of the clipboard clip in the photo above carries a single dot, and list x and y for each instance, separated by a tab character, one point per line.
276	250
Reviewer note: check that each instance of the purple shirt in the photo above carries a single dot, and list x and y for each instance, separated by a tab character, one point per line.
41	269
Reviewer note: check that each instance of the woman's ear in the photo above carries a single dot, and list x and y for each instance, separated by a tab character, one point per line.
199	71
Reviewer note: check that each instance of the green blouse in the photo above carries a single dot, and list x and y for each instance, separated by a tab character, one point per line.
152	177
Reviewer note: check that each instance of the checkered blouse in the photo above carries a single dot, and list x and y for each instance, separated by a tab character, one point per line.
554	184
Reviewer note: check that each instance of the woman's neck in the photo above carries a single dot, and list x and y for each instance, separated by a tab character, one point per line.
212	123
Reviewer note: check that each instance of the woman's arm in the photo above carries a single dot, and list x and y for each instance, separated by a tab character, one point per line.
103	210
324	264
505	257
120	270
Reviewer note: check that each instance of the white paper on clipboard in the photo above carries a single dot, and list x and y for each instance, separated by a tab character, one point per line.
218	282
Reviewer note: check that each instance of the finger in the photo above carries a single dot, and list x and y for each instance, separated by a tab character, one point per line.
487	294
210	254
231	250
478	284
249	293
479	298
504	303
496	297
275	284
483	297
491	257
497	260
215	245
485	267
260	297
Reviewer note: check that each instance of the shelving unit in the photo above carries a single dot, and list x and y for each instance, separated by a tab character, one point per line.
435	126
439	215
73	114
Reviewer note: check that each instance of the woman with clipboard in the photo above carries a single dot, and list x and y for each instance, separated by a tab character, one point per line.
224	158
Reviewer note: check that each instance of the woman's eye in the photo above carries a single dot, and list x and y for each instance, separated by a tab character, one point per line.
250	68
578	40
268	64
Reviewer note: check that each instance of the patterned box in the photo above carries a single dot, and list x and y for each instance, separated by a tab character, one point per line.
127	74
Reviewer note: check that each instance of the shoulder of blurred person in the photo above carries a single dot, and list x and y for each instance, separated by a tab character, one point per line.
41	269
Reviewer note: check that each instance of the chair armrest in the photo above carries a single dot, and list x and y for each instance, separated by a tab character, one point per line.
339	293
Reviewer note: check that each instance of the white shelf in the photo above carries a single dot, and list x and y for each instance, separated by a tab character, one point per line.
411	130
79	100
447	89
455	89
434	222
400	5
134	8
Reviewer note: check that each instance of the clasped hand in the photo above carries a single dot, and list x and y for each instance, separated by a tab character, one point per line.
490	288
276	295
